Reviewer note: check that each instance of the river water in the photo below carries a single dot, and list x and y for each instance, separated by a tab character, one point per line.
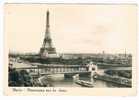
60	81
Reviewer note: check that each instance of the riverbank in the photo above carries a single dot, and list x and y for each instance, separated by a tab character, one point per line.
114	79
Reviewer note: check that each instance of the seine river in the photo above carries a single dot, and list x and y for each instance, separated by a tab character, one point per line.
58	80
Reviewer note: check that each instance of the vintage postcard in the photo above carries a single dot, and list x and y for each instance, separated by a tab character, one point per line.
70	49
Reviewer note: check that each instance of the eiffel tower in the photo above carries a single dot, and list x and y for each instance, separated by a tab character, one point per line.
47	49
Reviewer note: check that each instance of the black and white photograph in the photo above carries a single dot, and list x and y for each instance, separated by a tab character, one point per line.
71	45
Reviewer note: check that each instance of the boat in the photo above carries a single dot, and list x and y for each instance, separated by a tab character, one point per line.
19	61
84	83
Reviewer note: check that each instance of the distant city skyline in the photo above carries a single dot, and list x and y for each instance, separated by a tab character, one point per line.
73	28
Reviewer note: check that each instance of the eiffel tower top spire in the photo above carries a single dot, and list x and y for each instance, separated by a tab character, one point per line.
47	31
47	21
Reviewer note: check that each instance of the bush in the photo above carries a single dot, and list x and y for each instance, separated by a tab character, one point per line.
19	78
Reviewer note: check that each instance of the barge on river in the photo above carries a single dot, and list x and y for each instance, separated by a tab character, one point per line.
114	79
84	83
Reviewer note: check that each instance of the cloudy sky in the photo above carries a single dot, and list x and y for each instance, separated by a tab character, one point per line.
74	28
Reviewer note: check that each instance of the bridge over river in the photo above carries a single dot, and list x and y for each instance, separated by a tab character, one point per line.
37	69
47	69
